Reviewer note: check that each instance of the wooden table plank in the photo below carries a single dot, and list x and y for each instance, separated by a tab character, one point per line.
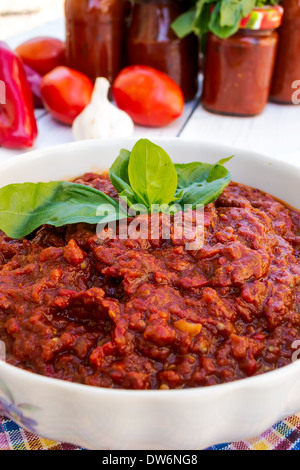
276	132
53	133
53	28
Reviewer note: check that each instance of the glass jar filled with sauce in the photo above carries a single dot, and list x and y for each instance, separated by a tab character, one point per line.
238	70
151	41
287	66
128	5
94	36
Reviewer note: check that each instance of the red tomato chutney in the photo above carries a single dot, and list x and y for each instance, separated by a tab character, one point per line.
287	67
238	69
94	37
147	313
151	41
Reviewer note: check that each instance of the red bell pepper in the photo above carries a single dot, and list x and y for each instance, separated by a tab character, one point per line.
34	80
18	127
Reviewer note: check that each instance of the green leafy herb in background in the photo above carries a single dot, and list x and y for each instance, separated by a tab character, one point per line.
146	176
221	17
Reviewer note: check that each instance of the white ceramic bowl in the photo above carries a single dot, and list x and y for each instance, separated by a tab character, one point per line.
192	419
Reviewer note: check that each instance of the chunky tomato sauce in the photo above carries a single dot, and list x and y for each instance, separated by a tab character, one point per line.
147	313
287	66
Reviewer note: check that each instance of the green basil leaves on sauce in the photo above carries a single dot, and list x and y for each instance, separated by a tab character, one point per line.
149	177
153	177
25	207
201	183
143	176
118	175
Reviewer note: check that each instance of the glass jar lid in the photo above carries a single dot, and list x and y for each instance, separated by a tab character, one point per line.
269	17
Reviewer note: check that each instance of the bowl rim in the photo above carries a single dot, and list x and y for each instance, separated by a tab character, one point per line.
239	384
247	382
37	154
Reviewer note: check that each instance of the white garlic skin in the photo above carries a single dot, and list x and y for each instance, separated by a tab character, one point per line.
101	119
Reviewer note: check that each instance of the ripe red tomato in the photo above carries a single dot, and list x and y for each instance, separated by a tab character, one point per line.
149	96
42	54
65	93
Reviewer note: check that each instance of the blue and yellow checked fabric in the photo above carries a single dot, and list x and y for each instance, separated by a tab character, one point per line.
284	435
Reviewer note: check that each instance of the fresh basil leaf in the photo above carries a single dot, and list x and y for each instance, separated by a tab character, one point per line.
118	175
221	17
25	207
146	176
247	7
201	25
219	29
184	24
232	11
191	173
201	183
152	174
225	160
202	16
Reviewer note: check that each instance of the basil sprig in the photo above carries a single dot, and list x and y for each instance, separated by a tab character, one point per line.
144	176
201	183
25	207
221	17
147	176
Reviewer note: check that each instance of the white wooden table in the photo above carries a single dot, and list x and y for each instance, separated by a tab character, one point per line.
276	132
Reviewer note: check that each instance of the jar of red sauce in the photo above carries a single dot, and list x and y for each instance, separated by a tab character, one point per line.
287	66
94	36
238	70
151	41
128	5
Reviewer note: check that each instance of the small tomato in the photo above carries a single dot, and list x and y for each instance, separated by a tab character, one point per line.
65	93
42	54
149	96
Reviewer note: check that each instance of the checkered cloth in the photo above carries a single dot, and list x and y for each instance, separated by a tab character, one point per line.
284	435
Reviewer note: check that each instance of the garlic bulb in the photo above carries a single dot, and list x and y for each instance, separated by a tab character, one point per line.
101	119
